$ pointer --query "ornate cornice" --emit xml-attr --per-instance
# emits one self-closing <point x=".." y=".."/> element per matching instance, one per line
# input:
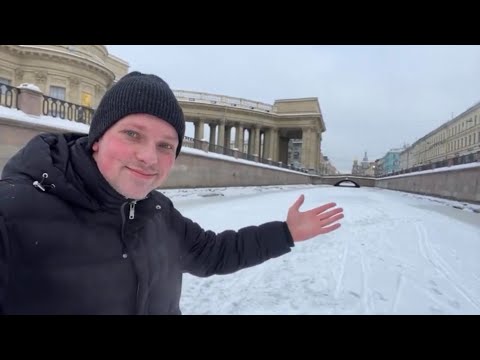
<point x="59" y="57"/>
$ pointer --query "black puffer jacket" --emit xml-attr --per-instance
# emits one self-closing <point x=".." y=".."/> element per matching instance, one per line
<point x="70" y="244"/>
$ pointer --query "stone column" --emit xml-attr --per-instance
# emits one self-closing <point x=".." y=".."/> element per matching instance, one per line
<point x="250" y="141"/>
<point x="313" y="150"/>
<point x="283" y="150"/>
<point x="221" y="134"/>
<point x="239" y="138"/>
<point x="256" y="148"/>
<point x="305" y="149"/>
<point x="261" y="151"/>
<point x="274" y="145"/>
<point x="318" y="152"/>
<point x="267" y="150"/>
<point x="199" y="127"/>
<point x="228" y="131"/>
<point x="213" y="135"/>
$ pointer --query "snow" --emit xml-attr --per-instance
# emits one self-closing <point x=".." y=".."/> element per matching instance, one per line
<point x="14" y="114"/>
<point x="396" y="253"/>
<point x="30" y="87"/>
<point x="437" y="170"/>
<point x="199" y="152"/>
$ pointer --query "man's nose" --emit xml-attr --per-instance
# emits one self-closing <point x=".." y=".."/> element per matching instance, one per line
<point x="147" y="154"/>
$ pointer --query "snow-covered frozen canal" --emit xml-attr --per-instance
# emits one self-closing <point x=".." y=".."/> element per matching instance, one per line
<point x="395" y="253"/>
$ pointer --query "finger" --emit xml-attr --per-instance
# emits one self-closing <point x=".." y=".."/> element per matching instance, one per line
<point x="296" y="205"/>
<point x="330" y="228"/>
<point x="331" y="220"/>
<point x="330" y="213"/>
<point x="321" y="209"/>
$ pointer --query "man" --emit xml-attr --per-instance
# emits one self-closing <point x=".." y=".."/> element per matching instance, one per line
<point x="83" y="231"/>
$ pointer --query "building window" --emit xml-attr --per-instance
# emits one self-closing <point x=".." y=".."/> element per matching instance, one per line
<point x="86" y="99"/>
<point x="57" y="92"/>
<point x="3" y="81"/>
<point x="469" y="140"/>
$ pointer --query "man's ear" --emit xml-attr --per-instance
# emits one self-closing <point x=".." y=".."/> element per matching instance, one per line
<point x="95" y="146"/>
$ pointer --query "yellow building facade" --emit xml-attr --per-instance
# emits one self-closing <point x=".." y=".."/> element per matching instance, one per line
<point x="79" y="74"/>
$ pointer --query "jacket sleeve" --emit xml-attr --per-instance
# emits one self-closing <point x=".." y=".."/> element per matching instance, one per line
<point x="3" y="262"/>
<point x="205" y="253"/>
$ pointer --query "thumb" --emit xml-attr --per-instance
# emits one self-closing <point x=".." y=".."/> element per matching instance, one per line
<point x="296" y="205"/>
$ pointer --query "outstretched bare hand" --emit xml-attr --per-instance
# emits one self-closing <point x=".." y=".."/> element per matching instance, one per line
<point x="310" y="223"/>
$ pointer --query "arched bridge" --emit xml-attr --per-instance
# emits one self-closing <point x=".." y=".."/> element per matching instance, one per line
<point x="345" y="179"/>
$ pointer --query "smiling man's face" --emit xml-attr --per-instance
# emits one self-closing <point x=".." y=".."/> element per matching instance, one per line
<point x="136" y="154"/>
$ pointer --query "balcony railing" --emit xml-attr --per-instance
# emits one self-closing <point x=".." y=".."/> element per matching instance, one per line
<point x="8" y="96"/>
<point x="213" y="99"/>
<point x="66" y="110"/>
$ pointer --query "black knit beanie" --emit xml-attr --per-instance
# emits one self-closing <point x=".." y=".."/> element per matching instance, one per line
<point x="137" y="93"/>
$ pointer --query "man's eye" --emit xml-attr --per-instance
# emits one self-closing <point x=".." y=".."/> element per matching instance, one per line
<point x="131" y="133"/>
<point x="166" y="146"/>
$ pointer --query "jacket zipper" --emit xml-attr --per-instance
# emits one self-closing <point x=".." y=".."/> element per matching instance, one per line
<point x="131" y="216"/>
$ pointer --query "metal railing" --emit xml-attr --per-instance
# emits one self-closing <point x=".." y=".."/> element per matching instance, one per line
<point x="8" y="96"/>
<point x="66" y="110"/>
<point x="222" y="100"/>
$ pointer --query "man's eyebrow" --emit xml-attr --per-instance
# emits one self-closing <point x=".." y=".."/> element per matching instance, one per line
<point x="143" y="128"/>
<point x="136" y="126"/>
<point x="172" y="138"/>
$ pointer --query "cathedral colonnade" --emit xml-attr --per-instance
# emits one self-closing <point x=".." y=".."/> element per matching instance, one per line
<point x="259" y="130"/>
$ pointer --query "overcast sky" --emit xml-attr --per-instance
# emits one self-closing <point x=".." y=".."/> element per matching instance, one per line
<point x="373" y="98"/>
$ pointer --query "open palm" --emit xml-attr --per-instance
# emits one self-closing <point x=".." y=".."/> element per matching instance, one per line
<point x="310" y="223"/>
